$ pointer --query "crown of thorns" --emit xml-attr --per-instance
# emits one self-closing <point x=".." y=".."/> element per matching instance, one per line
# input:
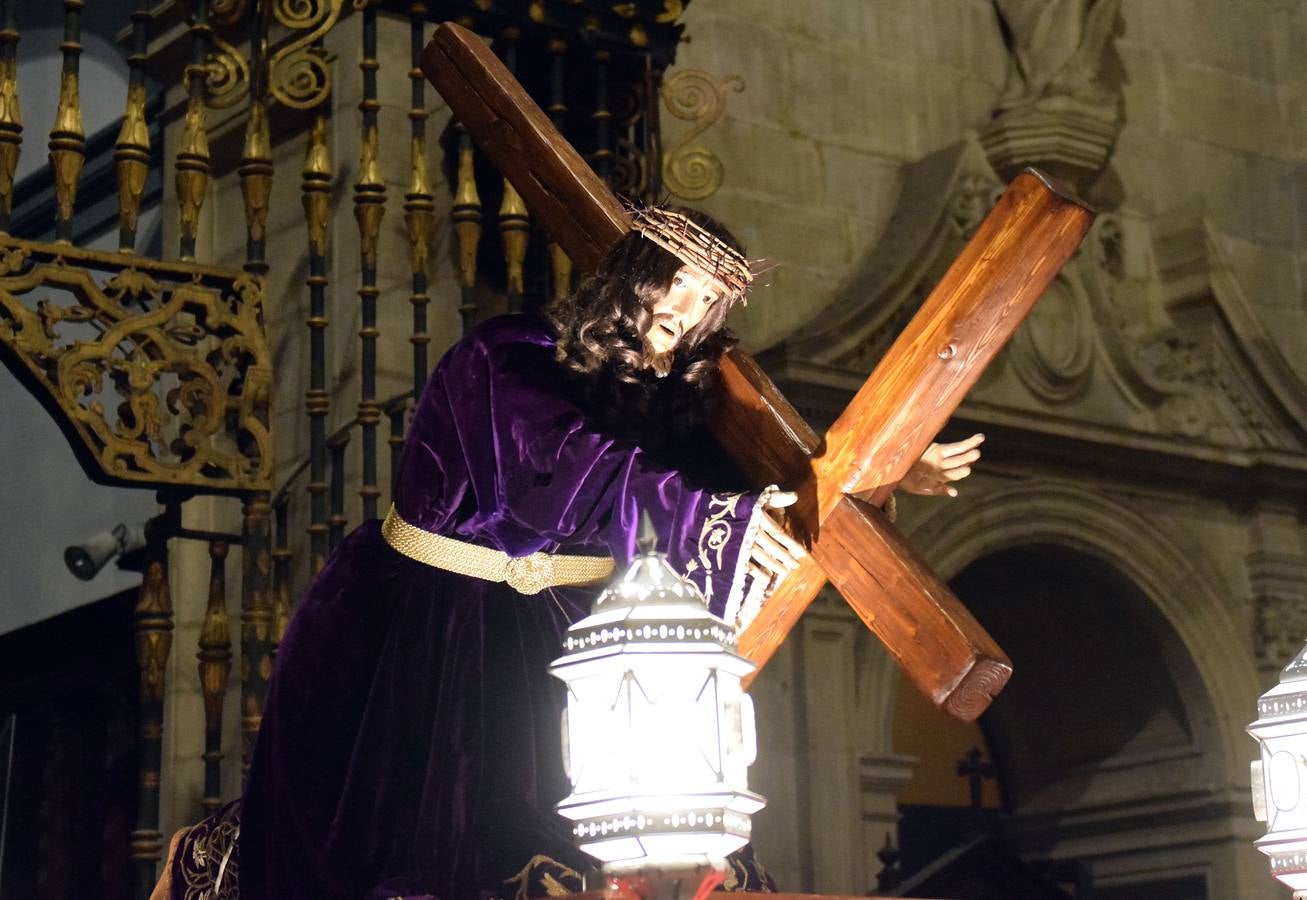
<point x="697" y="247"/>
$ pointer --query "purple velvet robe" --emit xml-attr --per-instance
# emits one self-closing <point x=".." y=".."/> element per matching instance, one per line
<point x="410" y="741"/>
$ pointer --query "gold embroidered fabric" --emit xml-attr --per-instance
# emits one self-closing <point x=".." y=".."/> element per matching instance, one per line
<point x="524" y="574"/>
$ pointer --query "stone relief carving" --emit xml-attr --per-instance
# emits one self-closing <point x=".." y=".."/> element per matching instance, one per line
<point x="1056" y="47"/>
<point x="973" y="196"/>
<point x="1053" y="352"/>
<point x="1058" y="110"/>
<point x="1144" y="329"/>
<point x="1279" y="586"/>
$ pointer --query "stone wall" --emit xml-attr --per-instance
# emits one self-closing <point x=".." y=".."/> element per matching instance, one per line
<point x="837" y="96"/>
<point x="1204" y="191"/>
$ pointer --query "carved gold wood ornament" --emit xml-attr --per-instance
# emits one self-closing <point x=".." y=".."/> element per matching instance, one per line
<point x="691" y="171"/>
<point x="158" y="372"/>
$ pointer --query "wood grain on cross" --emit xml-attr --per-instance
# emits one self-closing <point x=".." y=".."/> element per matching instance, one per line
<point x="844" y="477"/>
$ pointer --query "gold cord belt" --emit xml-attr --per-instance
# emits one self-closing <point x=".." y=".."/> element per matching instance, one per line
<point x="524" y="574"/>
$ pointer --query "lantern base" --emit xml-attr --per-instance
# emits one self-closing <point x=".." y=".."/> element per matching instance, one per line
<point x="667" y="881"/>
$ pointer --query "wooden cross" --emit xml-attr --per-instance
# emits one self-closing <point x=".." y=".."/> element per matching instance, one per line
<point x="844" y="477"/>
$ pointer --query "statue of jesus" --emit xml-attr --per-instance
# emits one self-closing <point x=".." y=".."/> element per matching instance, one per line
<point x="410" y="742"/>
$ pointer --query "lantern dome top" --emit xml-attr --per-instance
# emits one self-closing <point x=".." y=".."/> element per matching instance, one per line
<point x="1285" y="704"/>
<point x="1296" y="670"/>
<point x="649" y="579"/>
<point x="650" y="608"/>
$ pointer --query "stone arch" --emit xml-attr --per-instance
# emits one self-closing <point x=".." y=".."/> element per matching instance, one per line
<point x="1184" y="589"/>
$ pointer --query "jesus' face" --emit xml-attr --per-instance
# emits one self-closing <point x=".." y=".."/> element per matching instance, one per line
<point x="689" y="297"/>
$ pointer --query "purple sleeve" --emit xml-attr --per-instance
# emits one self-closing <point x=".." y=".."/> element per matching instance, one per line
<point x="542" y="474"/>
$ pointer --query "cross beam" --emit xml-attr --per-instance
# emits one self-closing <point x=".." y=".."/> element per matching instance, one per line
<point x="841" y="479"/>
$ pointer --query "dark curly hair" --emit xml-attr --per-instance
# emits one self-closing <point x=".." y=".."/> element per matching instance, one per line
<point x="628" y="389"/>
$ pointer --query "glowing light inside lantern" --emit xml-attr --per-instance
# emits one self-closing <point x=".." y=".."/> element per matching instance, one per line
<point x="659" y="733"/>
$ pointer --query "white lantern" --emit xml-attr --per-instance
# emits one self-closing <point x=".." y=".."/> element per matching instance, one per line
<point x="1279" y="778"/>
<point x="658" y="732"/>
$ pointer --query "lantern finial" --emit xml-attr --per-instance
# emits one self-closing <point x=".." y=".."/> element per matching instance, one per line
<point x="647" y="539"/>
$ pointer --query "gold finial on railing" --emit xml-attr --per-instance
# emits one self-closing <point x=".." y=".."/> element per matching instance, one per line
<point x="419" y="208"/>
<point x="255" y="168"/>
<point x="602" y="158"/>
<point x="281" y="559"/>
<point x="514" y="228"/>
<point x="369" y="207"/>
<point x="466" y="213"/>
<point x="562" y="271"/>
<point x="316" y="189"/>
<point x="369" y="197"/>
<point x="514" y="222"/>
<point x="317" y="186"/>
<point x="153" y="627"/>
<point x="193" y="155"/>
<point x="560" y="262"/>
<point x="256" y="177"/>
<point x="215" y="669"/>
<point x="419" y="201"/>
<point x="256" y="617"/>
<point x="132" y="152"/>
<point x="11" y="120"/>
<point x="466" y="216"/>
<point x="67" y="139"/>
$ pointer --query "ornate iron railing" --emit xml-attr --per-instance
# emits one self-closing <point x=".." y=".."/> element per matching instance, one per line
<point x="159" y="370"/>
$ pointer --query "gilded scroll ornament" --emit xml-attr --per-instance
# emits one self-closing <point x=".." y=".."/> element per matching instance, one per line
<point x="228" y="78"/>
<point x="691" y="171"/>
<point x="298" y="77"/>
<point x="158" y="373"/>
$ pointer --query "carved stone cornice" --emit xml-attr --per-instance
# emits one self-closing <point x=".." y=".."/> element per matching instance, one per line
<point x="1145" y="339"/>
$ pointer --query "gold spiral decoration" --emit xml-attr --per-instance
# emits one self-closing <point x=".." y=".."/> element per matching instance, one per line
<point x="229" y="75"/>
<point x="692" y="171"/>
<point x="298" y="77"/>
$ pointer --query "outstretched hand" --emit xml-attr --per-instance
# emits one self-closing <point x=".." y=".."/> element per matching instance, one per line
<point x="940" y="466"/>
<point x="774" y="553"/>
